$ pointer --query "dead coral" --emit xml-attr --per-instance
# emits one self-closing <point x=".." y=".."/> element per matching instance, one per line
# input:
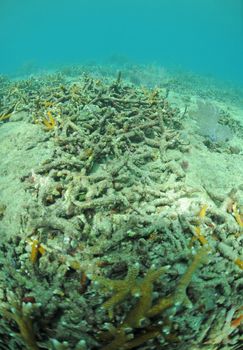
<point x="124" y="335"/>
<point x="113" y="189"/>
<point x="21" y="313"/>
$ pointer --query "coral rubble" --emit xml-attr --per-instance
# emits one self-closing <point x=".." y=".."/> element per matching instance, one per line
<point x="114" y="198"/>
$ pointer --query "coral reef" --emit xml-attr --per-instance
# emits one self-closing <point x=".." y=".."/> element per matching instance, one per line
<point x="113" y="192"/>
<point x="142" y="290"/>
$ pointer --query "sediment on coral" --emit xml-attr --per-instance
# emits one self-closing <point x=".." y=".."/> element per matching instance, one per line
<point x="111" y="203"/>
<point x="124" y="335"/>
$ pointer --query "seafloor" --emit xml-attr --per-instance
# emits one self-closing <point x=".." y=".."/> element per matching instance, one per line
<point x="121" y="211"/>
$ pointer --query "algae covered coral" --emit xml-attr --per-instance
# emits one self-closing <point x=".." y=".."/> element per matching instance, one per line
<point x="112" y="236"/>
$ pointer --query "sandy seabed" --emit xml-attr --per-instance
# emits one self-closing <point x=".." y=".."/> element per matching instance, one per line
<point x="121" y="211"/>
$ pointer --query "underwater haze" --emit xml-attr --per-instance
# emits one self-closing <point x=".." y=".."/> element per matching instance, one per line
<point x="203" y="36"/>
<point x="121" y="174"/>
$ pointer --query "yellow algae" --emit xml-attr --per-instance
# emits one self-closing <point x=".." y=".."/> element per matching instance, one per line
<point x="5" y="116"/>
<point x="49" y="122"/>
<point x="202" y="212"/>
<point x="237" y="215"/>
<point x="36" y="250"/>
<point x="200" y="236"/>
<point x="239" y="263"/>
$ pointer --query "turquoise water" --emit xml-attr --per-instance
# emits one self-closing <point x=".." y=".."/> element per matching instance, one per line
<point x="121" y="162"/>
<point x="202" y="36"/>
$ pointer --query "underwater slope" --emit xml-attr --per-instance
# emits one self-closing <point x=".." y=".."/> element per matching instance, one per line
<point x="121" y="216"/>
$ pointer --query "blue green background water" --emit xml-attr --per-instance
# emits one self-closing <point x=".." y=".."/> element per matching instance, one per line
<point x="204" y="36"/>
